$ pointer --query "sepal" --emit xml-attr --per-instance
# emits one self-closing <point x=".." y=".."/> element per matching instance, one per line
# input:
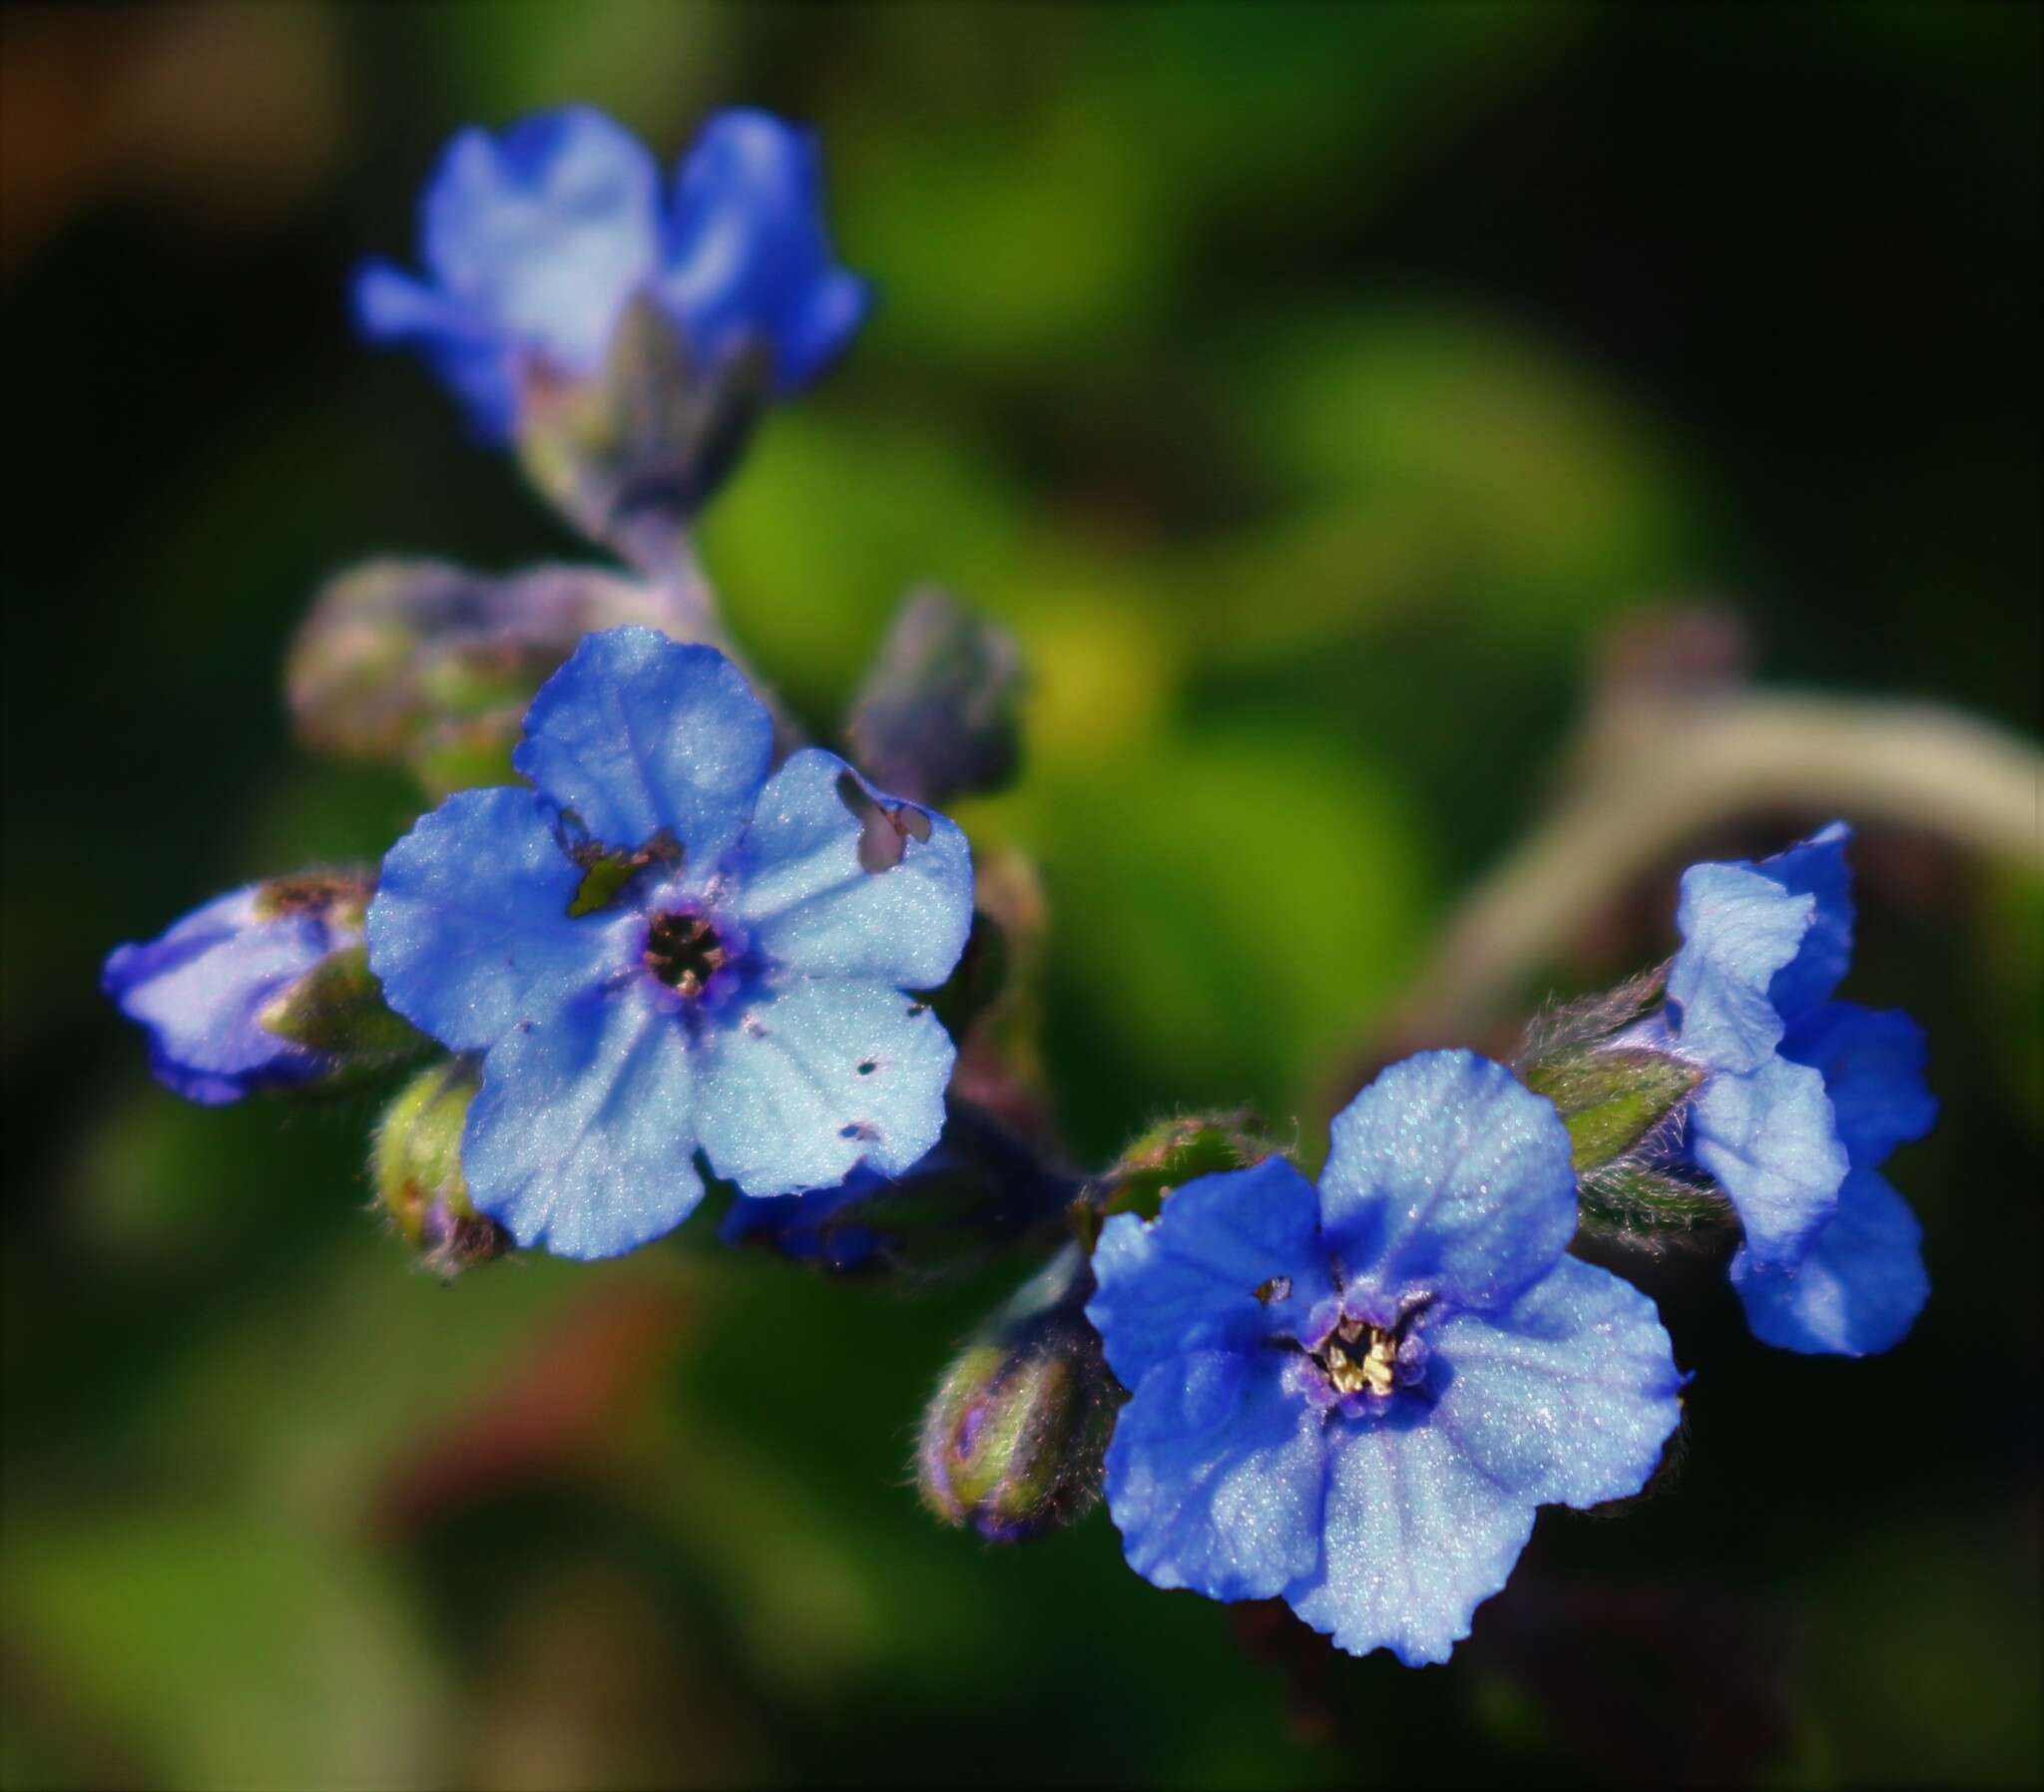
<point x="630" y="454"/>
<point x="417" y="1166"/>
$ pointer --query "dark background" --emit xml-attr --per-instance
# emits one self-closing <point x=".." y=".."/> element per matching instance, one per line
<point x="1311" y="390"/>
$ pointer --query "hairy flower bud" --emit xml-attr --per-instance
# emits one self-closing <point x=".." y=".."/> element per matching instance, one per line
<point x="417" y="1164"/>
<point x="1175" y="1151"/>
<point x="1012" y="1440"/>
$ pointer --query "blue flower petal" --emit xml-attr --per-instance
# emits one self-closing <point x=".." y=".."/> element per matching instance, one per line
<point x="747" y="253"/>
<point x="1189" y="1280"/>
<point x="1772" y="1141"/>
<point x="1859" y="1285"/>
<point x="1215" y="1475"/>
<point x="1763" y="946"/>
<point x="581" y="1140"/>
<point x="1872" y="1064"/>
<point x="545" y="235"/>
<point x="1740" y="931"/>
<point x="1566" y="1396"/>
<point x="810" y="905"/>
<point x="474" y="359"/>
<point x="201" y="988"/>
<point x="1448" y="1177"/>
<point x="1816" y="868"/>
<point x="639" y="735"/>
<point x="469" y="930"/>
<point x="798" y="1085"/>
<point x="1416" y="1537"/>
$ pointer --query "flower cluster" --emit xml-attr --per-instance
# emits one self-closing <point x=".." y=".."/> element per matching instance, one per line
<point x="536" y="241"/>
<point x="685" y="948"/>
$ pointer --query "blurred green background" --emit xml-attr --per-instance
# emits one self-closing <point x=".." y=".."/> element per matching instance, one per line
<point x="1310" y="390"/>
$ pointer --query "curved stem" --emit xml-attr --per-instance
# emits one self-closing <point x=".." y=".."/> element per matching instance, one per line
<point x="1655" y="779"/>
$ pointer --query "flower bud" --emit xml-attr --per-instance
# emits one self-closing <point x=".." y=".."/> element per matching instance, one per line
<point x="264" y="989"/>
<point x="1175" y="1151"/>
<point x="430" y="666"/>
<point x="938" y="715"/>
<point x="416" y="1165"/>
<point x="1013" y="1439"/>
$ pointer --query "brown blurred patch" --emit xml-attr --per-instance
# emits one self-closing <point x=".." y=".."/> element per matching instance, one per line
<point x="576" y="1384"/>
<point x="229" y="112"/>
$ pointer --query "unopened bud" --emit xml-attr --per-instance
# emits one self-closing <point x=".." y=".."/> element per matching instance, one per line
<point x="264" y="989"/>
<point x="938" y="715"/>
<point x="430" y="666"/>
<point x="1175" y="1151"/>
<point x="1012" y="1440"/>
<point x="416" y="1164"/>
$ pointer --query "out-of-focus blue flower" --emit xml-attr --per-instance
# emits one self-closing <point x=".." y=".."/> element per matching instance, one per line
<point x="205" y="988"/>
<point x="535" y="242"/>
<point x="1354" y="1397"/>
<point x="660" y="948"/>
<point x="1803" y="1100"/>
<point x="976" y="1189"/>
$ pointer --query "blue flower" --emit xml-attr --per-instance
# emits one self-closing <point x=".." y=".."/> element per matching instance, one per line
<point x="1804" y="1099"/>
<point x="536" y="241"/>
<point x="660" y="948"/>
<point x="205" y="988"/>
<point x="1354" y="1397"/>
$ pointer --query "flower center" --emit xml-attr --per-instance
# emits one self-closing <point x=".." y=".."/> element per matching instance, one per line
<point x="1360" y="1357"/>
<point x="683" y="951"/>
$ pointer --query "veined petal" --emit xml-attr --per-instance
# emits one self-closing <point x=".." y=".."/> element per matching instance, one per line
<point x="1214" y="1476"/>
<point x="582" y="1140"/>
<point x="1566" y="1396"/>
<point x="1416" y="1537"/>
<point x="1764" y="946"/>
<point x="1232" y="1259"/>
<point x="469" y="930"/>
<point x="1859" y="1285"/>
<point x="801" y="1083"/>
<point x="1871" y="1061"/>
<point x="1739" y="930"/>
<point x="1772" y="1141"/>
<point x="639" y="735"/>
<point x="811" y="905"/>
<point x="1448" y="1175"/>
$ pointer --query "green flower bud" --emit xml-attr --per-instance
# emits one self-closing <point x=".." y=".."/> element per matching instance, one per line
<point x="417" y="1166"/>
<point x="1175" y="1151"/>
<point x="1013" y="1439"/>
